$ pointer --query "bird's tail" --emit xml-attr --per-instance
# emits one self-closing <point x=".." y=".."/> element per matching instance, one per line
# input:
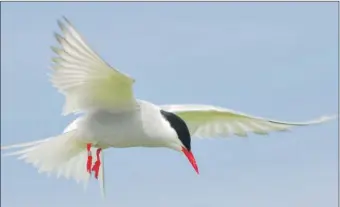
<point x="63" y="155"/>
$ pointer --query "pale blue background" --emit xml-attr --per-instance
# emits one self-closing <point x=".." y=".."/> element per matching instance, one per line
<point x="276" y="60"/>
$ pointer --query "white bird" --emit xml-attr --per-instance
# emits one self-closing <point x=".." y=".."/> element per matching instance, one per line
<point x="113" y="117"/>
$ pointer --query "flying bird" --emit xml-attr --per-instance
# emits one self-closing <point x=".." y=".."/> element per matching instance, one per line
<point x="113" y="118"/>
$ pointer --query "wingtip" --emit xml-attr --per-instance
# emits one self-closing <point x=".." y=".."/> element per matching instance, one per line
<point x="63" y="23"/>
<point x="323" y="119"/>
<point x="60" y="24"/>
<point x="66" y="19"/>
<point x="328" y="118"/>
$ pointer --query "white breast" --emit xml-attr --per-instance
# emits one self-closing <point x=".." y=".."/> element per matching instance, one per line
<point x="143" y="127"/>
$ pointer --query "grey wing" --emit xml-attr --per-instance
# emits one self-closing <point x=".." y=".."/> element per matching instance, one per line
<point x="206" y="121"/>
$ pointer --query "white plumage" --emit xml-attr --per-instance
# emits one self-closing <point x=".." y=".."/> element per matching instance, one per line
<point x="112" y="117"/>
<point x="84" y="78"/>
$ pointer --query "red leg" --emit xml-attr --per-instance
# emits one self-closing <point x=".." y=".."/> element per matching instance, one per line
<point x="97" y="164"/>
<point x="89" y="158"/>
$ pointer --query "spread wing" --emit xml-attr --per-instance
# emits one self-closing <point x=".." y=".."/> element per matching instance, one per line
<point x="206" y="121"/>
<point x="84" y="78"/>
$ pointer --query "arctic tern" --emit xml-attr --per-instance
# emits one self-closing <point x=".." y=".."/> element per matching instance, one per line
<point x="113" y="117"/>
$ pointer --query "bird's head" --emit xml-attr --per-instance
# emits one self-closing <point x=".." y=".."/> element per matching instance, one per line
<point x="183" y="143"/>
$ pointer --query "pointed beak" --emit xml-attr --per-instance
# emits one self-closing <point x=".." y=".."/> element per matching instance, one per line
<point x="191" y="158"/>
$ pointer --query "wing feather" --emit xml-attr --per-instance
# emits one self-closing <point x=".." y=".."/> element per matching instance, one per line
<point x="85" y="79"/>
<point x="206" y="121"/>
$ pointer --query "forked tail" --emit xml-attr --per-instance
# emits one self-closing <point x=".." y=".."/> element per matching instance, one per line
<point x="62" y="155"/>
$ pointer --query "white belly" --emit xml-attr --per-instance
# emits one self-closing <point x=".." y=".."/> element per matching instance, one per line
<point x="144" y="127"/>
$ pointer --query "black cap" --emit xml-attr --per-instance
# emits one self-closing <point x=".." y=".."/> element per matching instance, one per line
<point x="180" y="127"/>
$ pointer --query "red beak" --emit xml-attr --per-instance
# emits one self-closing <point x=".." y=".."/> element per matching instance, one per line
<point x="191" y="158"/>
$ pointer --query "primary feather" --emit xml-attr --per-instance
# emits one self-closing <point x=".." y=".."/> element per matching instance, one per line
<point x="84" y="78"/>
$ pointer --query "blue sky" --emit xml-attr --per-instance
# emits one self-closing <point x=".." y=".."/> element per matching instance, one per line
<point x="276" y="60"/>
